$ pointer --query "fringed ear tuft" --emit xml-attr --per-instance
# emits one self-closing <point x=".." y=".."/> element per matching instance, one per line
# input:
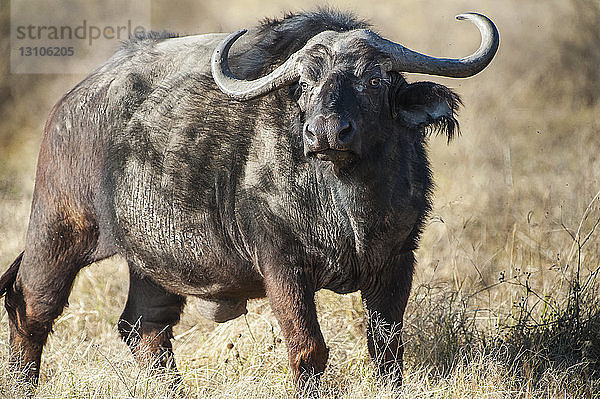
<point x="428" y="107"/>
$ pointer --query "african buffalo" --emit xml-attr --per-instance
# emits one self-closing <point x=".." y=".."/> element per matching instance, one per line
<point x="230" y="167"/>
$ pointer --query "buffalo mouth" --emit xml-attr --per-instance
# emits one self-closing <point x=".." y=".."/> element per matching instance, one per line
<point x="339" y="158"/>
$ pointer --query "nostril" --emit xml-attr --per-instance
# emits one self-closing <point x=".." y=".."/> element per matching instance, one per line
<point x="345" y="135"/>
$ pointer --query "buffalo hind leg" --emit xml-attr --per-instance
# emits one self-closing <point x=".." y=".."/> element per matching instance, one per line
<point x="291" y="296"/>
<point x="385" y="301"/>
<point x="41" y="280"/>
<point x="146" y="324"/>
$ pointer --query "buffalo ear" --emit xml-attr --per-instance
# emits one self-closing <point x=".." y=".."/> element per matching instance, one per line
<point x="427" y="107"/>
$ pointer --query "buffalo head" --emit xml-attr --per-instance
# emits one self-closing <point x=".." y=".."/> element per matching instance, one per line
<point x="349" y="85"/>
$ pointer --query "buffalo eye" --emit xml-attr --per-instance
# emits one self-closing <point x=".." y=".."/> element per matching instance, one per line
<point x="304" y="86"/>
<point x="375" y="82"/>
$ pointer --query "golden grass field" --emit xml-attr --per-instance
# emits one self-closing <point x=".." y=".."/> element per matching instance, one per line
<point x="505" y="301"/>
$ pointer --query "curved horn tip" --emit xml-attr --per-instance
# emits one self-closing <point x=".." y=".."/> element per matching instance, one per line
<point x="470" y="15"/>
<point x="232" y="38"/>
<point x="226" y="44"/>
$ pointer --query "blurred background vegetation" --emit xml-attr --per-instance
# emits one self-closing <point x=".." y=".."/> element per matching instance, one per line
<point x="506" y="286"/>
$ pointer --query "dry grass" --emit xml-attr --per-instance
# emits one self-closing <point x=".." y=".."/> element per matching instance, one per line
<point x="505" y="301"/>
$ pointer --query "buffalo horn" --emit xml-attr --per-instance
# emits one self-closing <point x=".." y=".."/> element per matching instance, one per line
<point x="402" y="59"/>
<point x="406" y="60"/>
<point x="248" y="89"/>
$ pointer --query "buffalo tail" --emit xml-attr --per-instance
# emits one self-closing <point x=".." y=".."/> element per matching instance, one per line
<point x="9" y="276"/>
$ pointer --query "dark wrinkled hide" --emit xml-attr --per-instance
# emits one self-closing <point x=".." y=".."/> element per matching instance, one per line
<point x="220" y="199"/>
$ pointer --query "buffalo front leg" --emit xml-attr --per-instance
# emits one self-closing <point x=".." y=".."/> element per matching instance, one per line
<point x="146" y="324"/>
<point x="291" y="296"/>
<point x="385" y="301"/>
